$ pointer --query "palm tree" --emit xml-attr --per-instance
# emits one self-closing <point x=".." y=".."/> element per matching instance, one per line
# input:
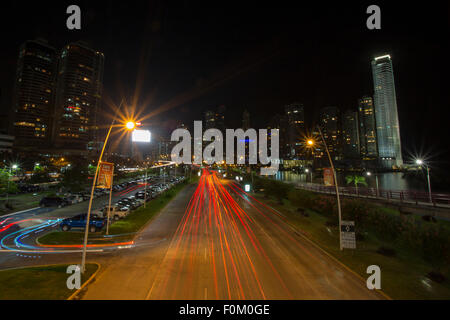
<point x="356" y="180"/>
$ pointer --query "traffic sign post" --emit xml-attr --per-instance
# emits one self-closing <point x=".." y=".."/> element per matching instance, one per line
<point x="348" y="238"/>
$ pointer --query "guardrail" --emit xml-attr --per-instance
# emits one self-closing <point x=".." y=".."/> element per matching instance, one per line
<point x="396" y="195"/>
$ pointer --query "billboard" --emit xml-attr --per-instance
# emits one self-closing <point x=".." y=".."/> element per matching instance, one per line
<point x="328" y="179"/>
<point x="141" y="136"/>
<point x="105" y="175"/>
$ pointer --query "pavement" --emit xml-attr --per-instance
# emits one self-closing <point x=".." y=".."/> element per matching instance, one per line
<point x="214" y="241"/>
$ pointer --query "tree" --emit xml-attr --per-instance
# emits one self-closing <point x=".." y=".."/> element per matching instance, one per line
<point x="75" y="178"/>
<point x="356" y="180"/>
<point x="5" y="176"/>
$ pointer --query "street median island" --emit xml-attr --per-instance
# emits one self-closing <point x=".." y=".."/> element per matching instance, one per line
<point x="119" y="231"/>
<point x="39" y="283"/>
<point x="412" y="253"/>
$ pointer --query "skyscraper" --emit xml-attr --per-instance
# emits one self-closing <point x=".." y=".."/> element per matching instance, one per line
<point x="386" y="115"/>
<point x="367" y="128"/>
<point x="350" y="135"/>
<point x="330" y="126"/>
<point x="34" y="94"/>
<point x="245" y="120"/>
<point x="79" y="92"/>
<point x="296" y="128"/>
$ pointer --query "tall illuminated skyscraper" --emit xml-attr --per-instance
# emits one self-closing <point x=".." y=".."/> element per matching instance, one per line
<point x="367" y="128"/>
<point x="79" y="92"/>
<point x="388" y="130"/>
<point x="34" y="94"/>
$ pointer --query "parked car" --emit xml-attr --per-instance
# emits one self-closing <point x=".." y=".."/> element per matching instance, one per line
<point x="53" y="202"/>
<point x="79" y="222"/>
<point x="116" y="212"/>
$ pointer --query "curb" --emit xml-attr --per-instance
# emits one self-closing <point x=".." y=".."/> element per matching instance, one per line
<point x="18" y="212"/>
<point x="85" y="283"/>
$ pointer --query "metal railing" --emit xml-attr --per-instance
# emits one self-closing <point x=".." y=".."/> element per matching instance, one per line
<point x="406" y="196"/>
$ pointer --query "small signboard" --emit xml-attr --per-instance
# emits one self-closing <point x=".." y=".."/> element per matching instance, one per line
<point x="348" y="239"/>
<point x="105" y="175"/>
<point x="328" y="178"/>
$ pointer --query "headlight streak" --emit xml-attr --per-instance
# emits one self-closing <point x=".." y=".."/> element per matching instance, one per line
<point x="24" y="233"/>
<point x="215" y="220"/>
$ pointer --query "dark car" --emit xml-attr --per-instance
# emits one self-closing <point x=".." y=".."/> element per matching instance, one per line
<point x="79" y="222"/>
<point x="53" y="202"/>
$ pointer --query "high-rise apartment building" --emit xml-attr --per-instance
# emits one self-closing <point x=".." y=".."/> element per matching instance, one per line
<point x="296" y="129"/>
<point x="386" y="115"/>
<point x="367" y="129"/>
<point x="79" y="92"/>
<point x="330" y="126"/>
<point x="350" y="135"/>
<point x="34" y="94"/>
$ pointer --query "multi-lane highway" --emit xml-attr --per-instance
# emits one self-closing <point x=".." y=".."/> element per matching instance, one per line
<point x="214" y="241"/>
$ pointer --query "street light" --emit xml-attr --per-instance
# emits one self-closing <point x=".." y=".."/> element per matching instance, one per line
<point x="311" y="143"/>
<point x="86" y="231"/>
<point x="14" y="166"/>
<point x="368" y="173"/>
<point x="421" y="163"/>
<point x="130" y="125"/>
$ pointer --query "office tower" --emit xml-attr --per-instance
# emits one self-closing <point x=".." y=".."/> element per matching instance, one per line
<point x="330" y="126"/>
<point x="280" y="122"/>
<point x="79" y="92"/>
<point x="34" y="94"/>
<point x="245" y="120"/>
<point x="220" y="118"/>
<point x="210" y="120"/>
<point x="367" y="129"/>
<point x="388" y="130"/>
<point x="296" y="129"/>
<point x="350" y="135"/>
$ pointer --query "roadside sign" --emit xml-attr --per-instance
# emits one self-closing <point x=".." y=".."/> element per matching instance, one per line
<point x="348" y="238"/>
<point x="105" y="174"/>
<point x="328" y="178"/>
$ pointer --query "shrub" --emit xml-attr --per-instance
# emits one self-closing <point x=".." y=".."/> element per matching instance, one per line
<point x="302" y="198"/>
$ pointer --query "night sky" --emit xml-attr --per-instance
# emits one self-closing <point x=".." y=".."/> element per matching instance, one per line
<point x="189" y="56"/>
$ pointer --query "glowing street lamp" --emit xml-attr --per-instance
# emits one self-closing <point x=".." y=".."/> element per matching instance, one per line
<point x="129" y="125"/>
<point x="421" y="163"/>
<point x="311" y="143"/>
<point x="368" y="173"/>
<point x="14" y="166"/>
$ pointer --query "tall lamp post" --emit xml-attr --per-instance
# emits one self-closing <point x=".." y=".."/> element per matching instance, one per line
<point x="421" y="163"/>
<point x="368" y="173"/>
<point x="311" y="143"/>
<point x="129" y="125"/>
<point x="14" y="166"/>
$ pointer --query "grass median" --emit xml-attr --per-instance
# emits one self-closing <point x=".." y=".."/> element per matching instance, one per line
<point x="21" y="202"/>
<point x="39" y="283"/>
<point x="403" y="273"/>
<point x="119" y="231"/>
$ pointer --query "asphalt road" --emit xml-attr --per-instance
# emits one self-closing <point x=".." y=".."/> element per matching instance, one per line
<point x="213" y="241"/>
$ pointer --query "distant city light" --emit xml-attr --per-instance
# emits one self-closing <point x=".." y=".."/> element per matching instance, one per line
<point x="419" y="162"/>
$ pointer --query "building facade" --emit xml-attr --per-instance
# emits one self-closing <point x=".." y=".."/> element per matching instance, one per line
<point x="79" y="92"/>
<point x="34" y="94"/>
<point x="330" y="126"/>
<point x="295" y="114"/>
<point x="386" y="115"/>
<point x="367" y="129"/>
<point x="350" y="135"/>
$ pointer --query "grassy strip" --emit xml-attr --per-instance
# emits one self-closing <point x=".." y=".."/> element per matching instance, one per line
<point x="39" y="283"/>
<point x="402" y="276"/>
<point x="122" y="230"/>
<point x="21" y="202"/>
